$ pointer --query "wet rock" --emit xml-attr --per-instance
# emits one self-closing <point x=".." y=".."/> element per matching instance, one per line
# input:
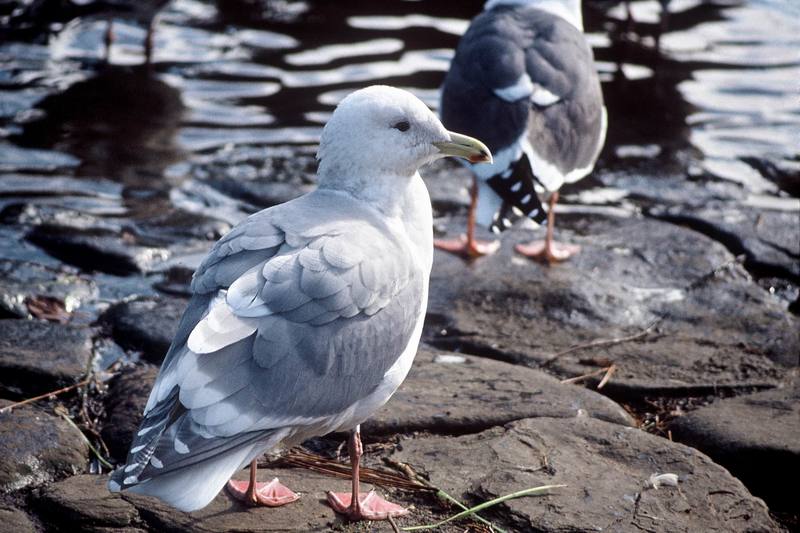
<point x="606" y="468"/>
<point x="15" y="520"/>
<point x="97" y="249"/>
<point x="82" y="503"/>
<point x="36" y="447"/>
<point x="448" y="184"/>
<point x="38" y="357"/>
<point x="127" y="395"/>
<point x="756" y="437"/>
<point x="145" y="324"/>
<point x="21" y="280"/>
<point x="712" y="326"/>
<point x="452" y="393"/>
<point x="769" y="239"/>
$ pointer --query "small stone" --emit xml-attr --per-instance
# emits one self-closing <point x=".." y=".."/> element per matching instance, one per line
<point x="36" y="447"/>
<point x="21" y="280"/>
<point x="38" y="357"/>
<point x="756" y="437"/>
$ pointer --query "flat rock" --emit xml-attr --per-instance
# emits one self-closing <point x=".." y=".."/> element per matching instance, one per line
<point x="756" y="437"/>
<point x="13" y="520"/>
<point x="716" y="327"/>
<point x="38" y="357"/>
<point x="453" y="393"/>
<point x="145" y="324"/>
<point x="82" y="503"/>
<point x="20" y="280"/>
<point x="605" y="467"/>
<point x="36" y="447"/>
<point x="97" y="249"/>
<point x="127" y="395"/>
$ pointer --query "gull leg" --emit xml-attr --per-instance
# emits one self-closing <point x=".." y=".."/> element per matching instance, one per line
<point x="148" y="44"/>
<point x="549" y="251"/>
<point x="108" y="38"/>
<point x="357" y="506"/>
<point x="272" y="494"/>
<point x="467" y="245"/>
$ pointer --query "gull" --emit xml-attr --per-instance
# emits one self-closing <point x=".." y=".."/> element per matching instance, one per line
<point x="305" y="318"/>
<point x="527" y="67"/>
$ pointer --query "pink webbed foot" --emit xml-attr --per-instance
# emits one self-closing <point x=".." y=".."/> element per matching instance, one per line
<point x="556" y="253"/>
<point x="372" y="506"/>
<point x="461" y="246"/>
<point x="272" y="494"/>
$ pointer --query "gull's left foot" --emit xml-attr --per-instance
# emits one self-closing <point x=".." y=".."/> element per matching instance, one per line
<point x="272" y="494"/>
<point x="372" y="506"/>
<point x="556" y="253"/>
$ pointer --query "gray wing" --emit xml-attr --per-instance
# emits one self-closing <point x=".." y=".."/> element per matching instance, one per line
<point x="527" y="71"/>
<point x="298" y="313"/>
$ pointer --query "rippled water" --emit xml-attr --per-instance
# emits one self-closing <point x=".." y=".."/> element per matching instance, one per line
<point x="234" y="83"/>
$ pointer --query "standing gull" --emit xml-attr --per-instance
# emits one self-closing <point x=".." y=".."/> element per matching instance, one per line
<point x="529" y="70"/>
<point x="305" y="318"/>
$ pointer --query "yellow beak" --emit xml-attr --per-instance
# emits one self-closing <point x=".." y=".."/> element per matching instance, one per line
<point x="463" y="146"/>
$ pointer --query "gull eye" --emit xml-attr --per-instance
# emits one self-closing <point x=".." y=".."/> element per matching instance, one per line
<point x="403" y="125"/>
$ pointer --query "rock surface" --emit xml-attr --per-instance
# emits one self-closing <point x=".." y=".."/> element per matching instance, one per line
<point x="716" y="327"/>
<point x="756" y="437"/>
<point x="146" y="324"/>
<point x="13" y="520"/>
<point x="452" y="393"/>
<point x="127" y="396"/>
<point x="36" y="448"/>
<point x="605" y="467"/>
<point x="21" y="280"/>
<point x="38" y="357"/>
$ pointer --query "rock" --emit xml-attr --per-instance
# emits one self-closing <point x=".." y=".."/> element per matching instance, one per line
<point x="38" y="357"/>
<point x="716" y="329"/>
<point x="223" y="514"/>
<point x="20" y="280"/>
<point x="83" y="503"/>
<point x="605" y="467"/>
<point x="452" y="393"/>
<point x="145" y="324"/>
<point x="97" y="249"/>
<point x="448" y="184"/>
<point x="36" y="447"/>
<point x="13" y="520"/>
<point x="127" y="395"/>
<point x="756" y="437"/>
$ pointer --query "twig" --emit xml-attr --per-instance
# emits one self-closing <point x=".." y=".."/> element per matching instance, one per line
<point x="485" y="505"/>
<point x="602" y="342"/>
<point x="65" y="415"/>
<point x="393" y="524"/>
<point x="607" y="377"/>
<point x="8" y="408"/>
<point x="578" y="379"/>
<point x="409" y="472"/>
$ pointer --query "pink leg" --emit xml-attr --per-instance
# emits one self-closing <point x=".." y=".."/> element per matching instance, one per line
<point x="357" y="506"/>
<point x="109" y="39"/>
<point x="549" y="251"/>
<point x="272" y="494"/>
<point x="467" y="245"/>
<point x="148" y="45"/>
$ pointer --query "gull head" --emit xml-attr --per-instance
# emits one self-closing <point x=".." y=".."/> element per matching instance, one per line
<point x="386" y="131"/>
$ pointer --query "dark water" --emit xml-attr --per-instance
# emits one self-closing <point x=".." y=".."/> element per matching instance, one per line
<point x="167" y="157"/>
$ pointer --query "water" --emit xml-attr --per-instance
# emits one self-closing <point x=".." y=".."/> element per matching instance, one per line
<point x="226" y="119"/>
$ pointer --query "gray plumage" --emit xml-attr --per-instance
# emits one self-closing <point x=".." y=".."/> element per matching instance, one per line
<point x="523" y="79"/>
<point x="322" y="306"/>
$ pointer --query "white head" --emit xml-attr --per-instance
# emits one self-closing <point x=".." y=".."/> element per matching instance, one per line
<point x="569" y="10"/>
<point x="381" y="132"/>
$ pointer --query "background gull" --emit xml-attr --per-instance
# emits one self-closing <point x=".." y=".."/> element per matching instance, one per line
<point x="305" y="318"/>
<point x="527" y="69"/>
